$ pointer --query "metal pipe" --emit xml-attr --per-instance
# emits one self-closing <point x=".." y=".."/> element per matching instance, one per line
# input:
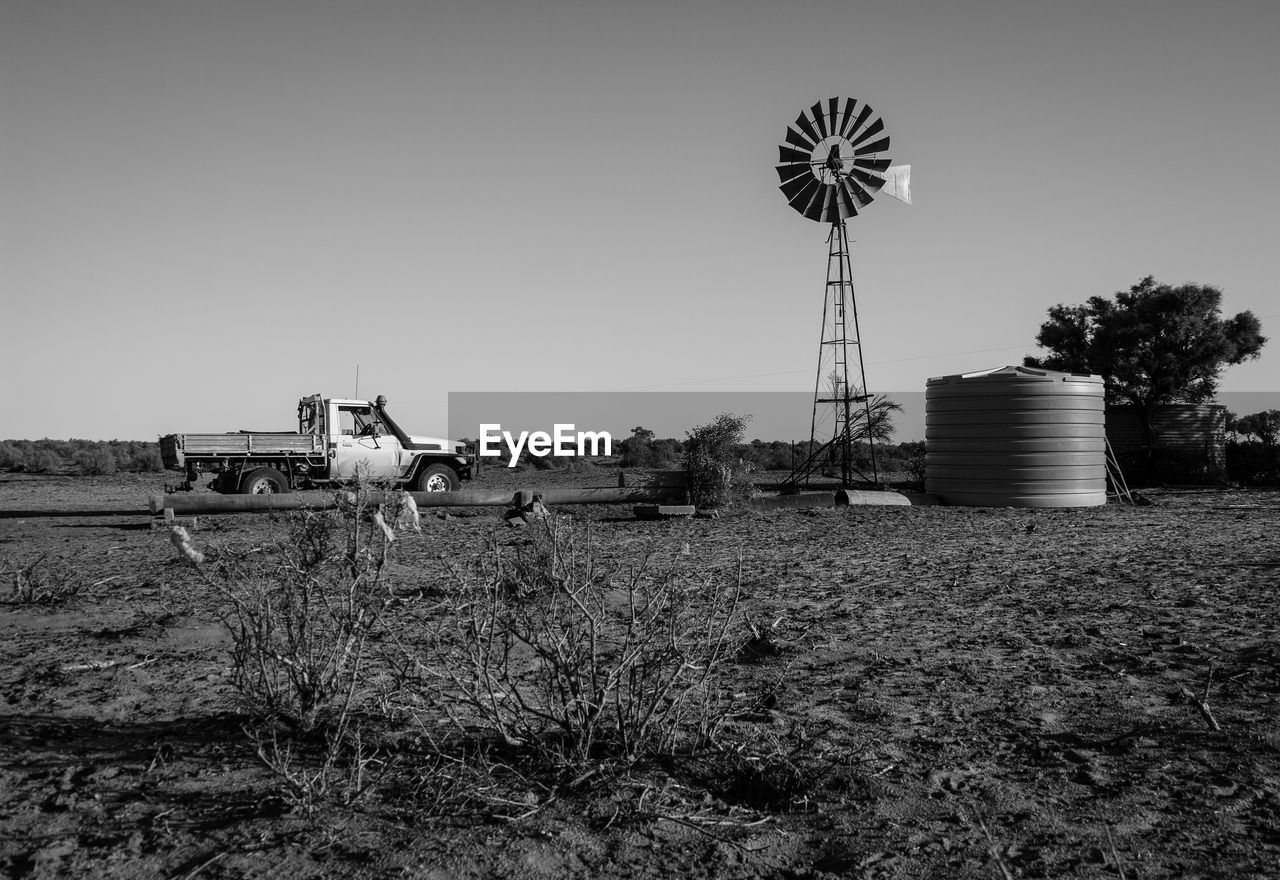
<point x="30" y="513"/>
<point x="795" y="499"/>
<point x="652" y="478"/>
<point x="188" y="504"/>
<point x="629" y="495"/>
<point x="846" y="497"/>
<point x="895" y="499"/>
<point x="192" y="504"/>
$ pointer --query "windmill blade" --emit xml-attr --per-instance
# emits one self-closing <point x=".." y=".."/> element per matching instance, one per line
<point x="820" y="120"/>
<point x="860" y="195"/>
<point x="857" y="123"/>
<point x="870" y="181"/>
<point x="789" y="155"/>
<point x="797" y="139"/>
<point x="799" y="191"/>
<point x="832" y="113"/>
<point x="882" y="144"/>
<point x="824" y="206"/>
<point x="871" y="131"/>
<point x="803" y="123"/>
<point x="847" y="207"/>
<point x="789" y="172"/>
<point x="831" y="205"/>
<point x="876" y="165"/>
<point x="897" y="183"/>
<point x="849" y="104"/>
<point x="814" y="209"/>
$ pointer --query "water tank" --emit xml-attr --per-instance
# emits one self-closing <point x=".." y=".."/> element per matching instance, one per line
<point x="1016" y="437"/>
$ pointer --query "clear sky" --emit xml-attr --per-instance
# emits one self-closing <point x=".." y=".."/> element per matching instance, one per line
<point x="210" y="209"/>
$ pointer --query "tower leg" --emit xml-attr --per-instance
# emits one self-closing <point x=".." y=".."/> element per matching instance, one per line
<point x="841" y="403"/>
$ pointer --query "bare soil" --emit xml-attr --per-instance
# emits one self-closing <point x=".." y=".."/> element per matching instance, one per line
<point x="954" y="692"/>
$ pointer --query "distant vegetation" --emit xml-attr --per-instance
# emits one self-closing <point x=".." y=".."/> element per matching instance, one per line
<point x="1253" y="448"/>
<point x="1154" y="344"/>
<point x="79" y="456"/>
<point x="644" y="449"/>
<point x="641" y="450"/>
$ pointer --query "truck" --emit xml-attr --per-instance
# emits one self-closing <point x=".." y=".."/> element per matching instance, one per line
<point x="337" y="441"/>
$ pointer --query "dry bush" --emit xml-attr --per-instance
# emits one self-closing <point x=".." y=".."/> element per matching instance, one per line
<point x="41" y="582"/>
<point x="576" y="660"/>
<point x="341" y="767"/>
<point x="300" y="616"/>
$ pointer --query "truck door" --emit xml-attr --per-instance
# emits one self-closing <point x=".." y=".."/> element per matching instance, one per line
<point x="361" y="442"/>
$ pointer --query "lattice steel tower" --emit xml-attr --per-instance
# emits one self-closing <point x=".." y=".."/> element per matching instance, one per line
<point x="829" y="168"/>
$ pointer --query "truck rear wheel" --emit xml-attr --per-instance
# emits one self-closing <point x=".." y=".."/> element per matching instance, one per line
<point x="264" y="481"/>
<point x="437" y="478"/>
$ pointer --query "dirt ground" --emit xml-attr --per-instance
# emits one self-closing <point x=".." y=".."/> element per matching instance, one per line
<point x="961" y="693"/>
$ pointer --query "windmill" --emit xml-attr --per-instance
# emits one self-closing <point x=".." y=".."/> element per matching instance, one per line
<point x="829" y="167"/>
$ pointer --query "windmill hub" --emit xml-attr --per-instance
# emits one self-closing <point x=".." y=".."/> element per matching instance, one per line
<point x="834" y="162"/>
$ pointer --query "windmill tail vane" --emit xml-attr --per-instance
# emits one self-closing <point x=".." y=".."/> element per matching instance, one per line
<point x="897" y="182"/>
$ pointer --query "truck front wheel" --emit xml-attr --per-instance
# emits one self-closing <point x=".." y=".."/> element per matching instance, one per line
<point x="437" y="478"/>
<point x="264" y="481"/>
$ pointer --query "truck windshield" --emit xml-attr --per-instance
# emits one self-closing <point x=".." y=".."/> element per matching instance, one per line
<point x="359" y="421"/>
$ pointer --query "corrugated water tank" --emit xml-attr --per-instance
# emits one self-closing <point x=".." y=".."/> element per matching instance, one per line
<point x="1016" y="437"/>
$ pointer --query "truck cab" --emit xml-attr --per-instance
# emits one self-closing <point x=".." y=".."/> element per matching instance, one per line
<point x="363" y="438"/>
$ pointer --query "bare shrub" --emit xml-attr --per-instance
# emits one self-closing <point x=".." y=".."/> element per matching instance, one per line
<point x="300" y="617"/>
<point x="578" y="660"/>
<point x="41" y="582"/>
<point x="343" y="769"/>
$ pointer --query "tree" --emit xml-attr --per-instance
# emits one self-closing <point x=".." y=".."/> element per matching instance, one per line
<point x="713" y="466"/>
<point x="1264" y="425"/>
<point x="880" y="428"/>
<point x="637" y="450"/>
<point x="1153" y="344"/>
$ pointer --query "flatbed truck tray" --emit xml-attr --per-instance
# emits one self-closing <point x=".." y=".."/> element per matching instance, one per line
<point x="175" y="448"/>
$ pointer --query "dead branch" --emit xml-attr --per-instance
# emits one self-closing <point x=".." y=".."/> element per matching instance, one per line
<point x="1205" y="711"/>
<point x="991" y="845"/>
<point x="91" y="666"/>
<point x="1111" y="843"/>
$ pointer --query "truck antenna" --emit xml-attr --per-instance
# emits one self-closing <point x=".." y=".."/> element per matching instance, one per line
<point x="356" y="394"/>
